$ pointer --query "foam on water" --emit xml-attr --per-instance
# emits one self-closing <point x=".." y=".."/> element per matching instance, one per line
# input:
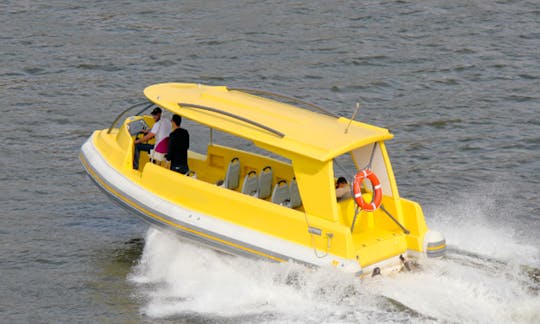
<point x="481" y="221"/>
<point x="481" y="280"/>
<point x="179" y="278"/>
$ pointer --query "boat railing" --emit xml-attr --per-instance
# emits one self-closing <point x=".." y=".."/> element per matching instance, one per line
<point x="249" y="121"/>
<point x="277" y="95"/>
<point x="128" y="109"/>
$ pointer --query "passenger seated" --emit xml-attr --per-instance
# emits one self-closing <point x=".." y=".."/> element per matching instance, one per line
<point x="157" y="155"/>
<point x="343" y="189"/>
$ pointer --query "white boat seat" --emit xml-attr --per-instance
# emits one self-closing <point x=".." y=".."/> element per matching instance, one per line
<point x="232" y="178"/>
<point x="251" y="186"/>
<point x="265" y="182"/>
<point x="295" y="199"/>
<point x="281" y="195"/>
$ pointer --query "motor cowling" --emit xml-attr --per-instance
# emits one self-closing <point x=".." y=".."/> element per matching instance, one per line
<point x="434" y="244"/>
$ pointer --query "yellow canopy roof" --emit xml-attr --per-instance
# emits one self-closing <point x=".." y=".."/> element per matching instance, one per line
<point x="268" y="123"/>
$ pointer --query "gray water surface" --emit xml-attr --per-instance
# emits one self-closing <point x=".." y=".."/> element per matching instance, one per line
<point x="457" y="83"/>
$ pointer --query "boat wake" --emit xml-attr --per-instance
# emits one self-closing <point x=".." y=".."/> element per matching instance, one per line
<point x="486" y="276"/>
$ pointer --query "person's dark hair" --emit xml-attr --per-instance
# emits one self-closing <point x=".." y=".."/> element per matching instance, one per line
<point x="341" y="180"/>
<point x="156" y="111"/>
<point x="177" y="119"/>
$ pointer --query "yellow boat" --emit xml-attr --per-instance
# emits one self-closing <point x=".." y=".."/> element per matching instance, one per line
<point x="276" y="198"/>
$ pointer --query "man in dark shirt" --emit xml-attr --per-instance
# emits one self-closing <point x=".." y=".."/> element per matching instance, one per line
<point x="178" y="146"/>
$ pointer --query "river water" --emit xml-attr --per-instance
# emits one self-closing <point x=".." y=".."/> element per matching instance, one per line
<point x="457" y="82"/>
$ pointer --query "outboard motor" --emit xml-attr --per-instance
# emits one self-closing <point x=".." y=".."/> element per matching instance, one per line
<point x="434" y="244"/>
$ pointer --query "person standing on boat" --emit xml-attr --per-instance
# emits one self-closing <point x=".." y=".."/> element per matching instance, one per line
<point x="178" y="146"/>
<point x="160" y="131"/>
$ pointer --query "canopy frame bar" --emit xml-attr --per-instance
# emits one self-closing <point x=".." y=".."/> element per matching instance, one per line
<point x="249" y="121"/>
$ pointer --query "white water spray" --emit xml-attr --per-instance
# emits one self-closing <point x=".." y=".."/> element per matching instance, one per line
<point x="484" y="279"/>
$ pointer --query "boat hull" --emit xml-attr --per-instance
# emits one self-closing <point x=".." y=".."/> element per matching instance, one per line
<point x="197" y="227"/>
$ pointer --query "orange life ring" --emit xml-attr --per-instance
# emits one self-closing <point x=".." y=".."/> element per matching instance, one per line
<point x="377" y="190"/>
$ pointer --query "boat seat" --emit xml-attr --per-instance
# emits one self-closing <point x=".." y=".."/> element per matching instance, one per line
<point x="295" y="199"/>
<point x="281" y="195"/>
<point x="232" y="177"/>
<point x="251" y="186"/>
<point x="265" y="182"/>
